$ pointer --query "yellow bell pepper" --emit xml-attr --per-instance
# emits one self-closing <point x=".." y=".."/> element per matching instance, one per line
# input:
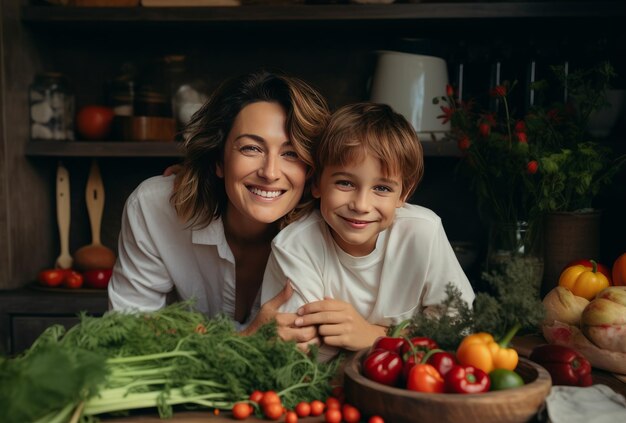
<point x="582" y="281"/>
<point x="482" y="351"/>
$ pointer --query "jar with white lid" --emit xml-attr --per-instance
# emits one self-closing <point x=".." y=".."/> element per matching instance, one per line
<point x="51" y="102"/>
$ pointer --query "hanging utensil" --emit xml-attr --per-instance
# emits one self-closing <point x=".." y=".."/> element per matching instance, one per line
<point x="95" y="255"/>
<point x="65" y="260"/>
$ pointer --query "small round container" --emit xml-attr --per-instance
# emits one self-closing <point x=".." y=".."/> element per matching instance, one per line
<point x="51" y="102"/>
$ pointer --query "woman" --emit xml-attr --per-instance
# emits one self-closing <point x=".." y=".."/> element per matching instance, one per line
<point x="205" y="233"/>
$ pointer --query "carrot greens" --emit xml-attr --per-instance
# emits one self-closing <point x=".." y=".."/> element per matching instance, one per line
<point x="160" y="359"/>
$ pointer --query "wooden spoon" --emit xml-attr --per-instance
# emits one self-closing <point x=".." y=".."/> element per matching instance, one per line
<point x="64" y="261"/>
<point x="95" y="255"/>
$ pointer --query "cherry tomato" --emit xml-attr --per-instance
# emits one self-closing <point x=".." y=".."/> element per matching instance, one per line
<point x="94" y="122"/>
<point x="350" y="414"/>
<point x="270" y="397"/>
<point x="303" y="409"/>
<point x="273" y="410"/>
<point x="51" y="277"/>
<point x="241" y="410"/>
<point x="73" y="279"/>
<point x="256" y="396"/>
<point x="376" y="419"/>
<point x="317" y="407"/>
<point x="332" y="415"/>
<point x="332" y="402"/>
<point x="98" y="279"/>
<point x="291" y="417"/>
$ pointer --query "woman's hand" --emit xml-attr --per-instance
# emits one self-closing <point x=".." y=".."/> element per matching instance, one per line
<point x="303" y="335"/>
<point x="339" y="324"/>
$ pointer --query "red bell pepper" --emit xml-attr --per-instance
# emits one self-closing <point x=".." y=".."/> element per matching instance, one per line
<point x="393" y="342"/>
<point x="411" y="360"/>
<point x="442" y="361"/>
<point x="383" y="366"/>
<point x="466" y="380"/>
<point x="420" y="343"/>
<point x="565" y="365"/>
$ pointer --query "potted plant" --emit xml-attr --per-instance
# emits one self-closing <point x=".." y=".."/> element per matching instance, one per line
<point x="526" y="170"/>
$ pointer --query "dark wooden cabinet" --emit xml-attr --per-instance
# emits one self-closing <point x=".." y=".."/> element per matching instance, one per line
<point x="27" y="312"/>
<point x="329" y="45"/>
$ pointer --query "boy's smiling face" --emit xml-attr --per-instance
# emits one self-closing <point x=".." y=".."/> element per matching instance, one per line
<point x="358" y="201"/>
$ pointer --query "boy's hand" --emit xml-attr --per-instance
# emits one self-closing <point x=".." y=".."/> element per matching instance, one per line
<point x="304" y="335"/>
<point x="340" y="325"/>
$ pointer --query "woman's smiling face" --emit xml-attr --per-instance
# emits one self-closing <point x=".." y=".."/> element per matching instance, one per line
<point x="263" y="176"/>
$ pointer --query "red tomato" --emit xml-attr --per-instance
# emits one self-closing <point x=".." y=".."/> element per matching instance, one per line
<point x="350" y="414"/>
<point x="256" y="396"/>
<point x="98" y="279"/>
<point x="332" y="402"/>
<point x="94" y="122"/>
<point x="376" y="419"/>
<point x="273" y="410"/>
<point x="270" y="397"/>
<point x="587" y="263"/>
<point x="291" y="417"/>
<point x="73" y="279"/>
<point x="332" y="415"/>
<point x="51" y="277"/>
<point x="303" y="409"/>
<point x="425" y="378"/>
<point x="317" y="407"/>
<point x="242" y="410"/>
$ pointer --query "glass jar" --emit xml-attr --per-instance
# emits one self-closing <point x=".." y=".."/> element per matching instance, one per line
<point x="51" y="102"/>
<point x="188" y="92"/>
<point x="517" y="244"/>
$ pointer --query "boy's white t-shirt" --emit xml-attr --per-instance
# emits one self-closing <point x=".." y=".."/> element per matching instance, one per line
<point x="408" y="270"/>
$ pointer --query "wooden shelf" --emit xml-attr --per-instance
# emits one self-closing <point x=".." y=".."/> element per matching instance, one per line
<point x="39" y="148"/>
<point x="102" y="149"/>
<point x="329" y="12"/>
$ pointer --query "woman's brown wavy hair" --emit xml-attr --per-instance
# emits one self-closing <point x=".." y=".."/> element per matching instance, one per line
<point x="199" y="194"/>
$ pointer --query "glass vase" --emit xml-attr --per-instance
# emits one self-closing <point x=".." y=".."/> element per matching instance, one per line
<point x="517" y="243"/>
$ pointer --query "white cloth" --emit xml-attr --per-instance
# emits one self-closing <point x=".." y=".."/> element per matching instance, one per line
<point x="596" y="403"/>
<point x="408" y="270"/>
<point x="159" y="255"/>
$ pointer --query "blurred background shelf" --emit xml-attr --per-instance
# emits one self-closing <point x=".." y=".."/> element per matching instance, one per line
<point x="103" y="149"/>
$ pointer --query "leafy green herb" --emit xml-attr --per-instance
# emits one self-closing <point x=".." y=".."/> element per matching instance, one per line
<point x="160" y="359"/>
<point x="511" y="298"/>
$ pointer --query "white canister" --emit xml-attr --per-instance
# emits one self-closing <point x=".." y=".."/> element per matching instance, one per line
<point x="408" y="83"/>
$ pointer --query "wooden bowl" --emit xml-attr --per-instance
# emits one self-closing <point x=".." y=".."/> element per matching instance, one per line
<point x="401" y="405"/>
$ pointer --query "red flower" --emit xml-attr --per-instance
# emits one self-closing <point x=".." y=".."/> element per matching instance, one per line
<point x="532" y="166"/>
<point x="484" y="129"/>
<point x="553" y="115"/>
<point x="520" y="126"/>
<point x="464" y="143"/>
<point x="521" y="137"/>
<point x="447" y="114"/>
<point x="490" y="118"/>
<point x="498" y="91"/>
<point x="449" y="90"/>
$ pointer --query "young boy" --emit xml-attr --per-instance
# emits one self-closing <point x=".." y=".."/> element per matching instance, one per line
<point x="364" y="260"/>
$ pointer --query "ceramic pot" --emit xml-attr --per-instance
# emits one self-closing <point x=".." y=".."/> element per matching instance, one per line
<point x="408" y="83"/>
<point x="568" y="236"/>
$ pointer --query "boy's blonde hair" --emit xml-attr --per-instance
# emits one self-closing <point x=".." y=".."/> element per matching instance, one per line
<point x="370" y="128"/>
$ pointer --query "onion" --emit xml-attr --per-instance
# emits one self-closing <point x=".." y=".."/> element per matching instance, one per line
<point x="563" y="306"/>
